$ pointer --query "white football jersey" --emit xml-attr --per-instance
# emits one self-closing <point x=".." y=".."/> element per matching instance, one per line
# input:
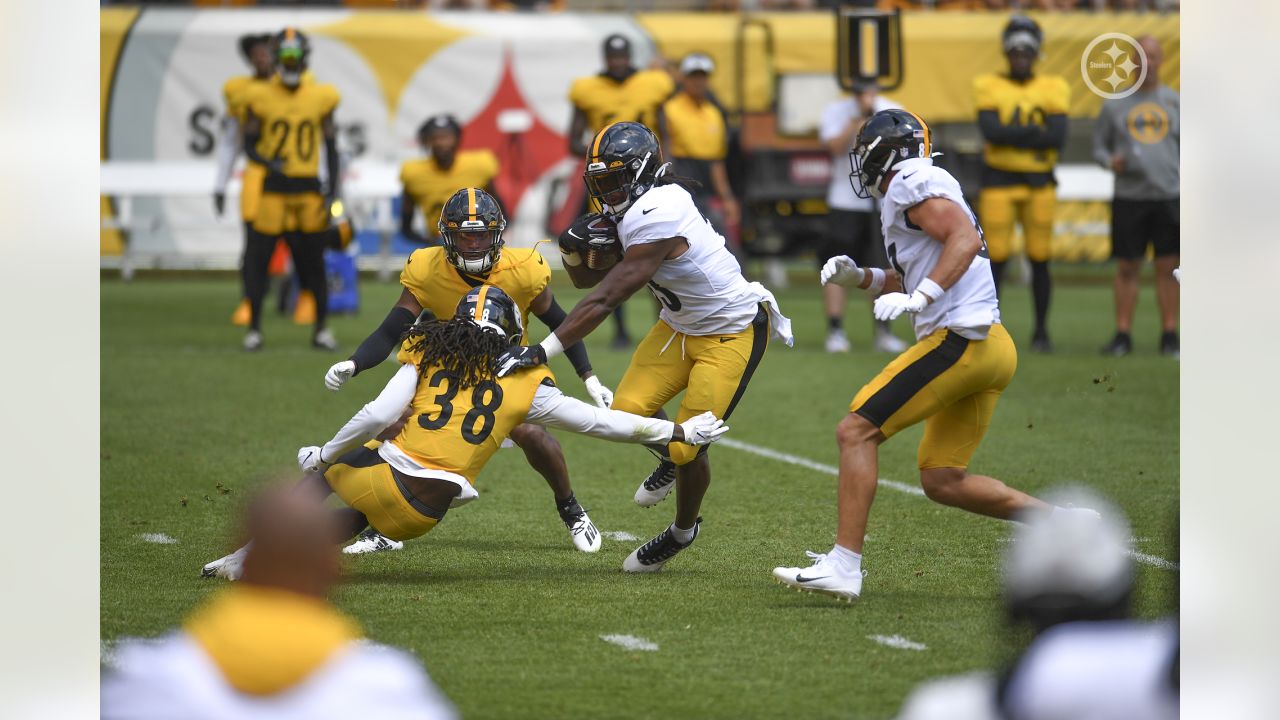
<point x="174" y="678"/>
<point x="969" y="307"/>
<point x="702" y="292"/>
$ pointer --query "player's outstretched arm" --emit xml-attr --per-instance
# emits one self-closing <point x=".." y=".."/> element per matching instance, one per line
<point x="636" y="268"/>
<point x="367" y="423"/>
<point x="552" y="408"/>
<point x="552" y="315"/>
<point x="379" y="344"/>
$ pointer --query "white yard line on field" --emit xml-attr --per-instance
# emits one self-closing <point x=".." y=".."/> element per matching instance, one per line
<point x="158" y="538"/>
<point x="630" y="642"/>
<point x="804" y="462"/>
<point x="619" y="535"/>
<point x="898" y="642"/>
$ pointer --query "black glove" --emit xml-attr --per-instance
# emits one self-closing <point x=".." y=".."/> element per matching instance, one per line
<point x="520" y="356"/>
<point x="589" y="227"/>
<point x="219" y="203"/>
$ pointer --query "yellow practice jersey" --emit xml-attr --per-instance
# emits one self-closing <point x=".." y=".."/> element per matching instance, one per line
<point x="458" y="429"/>
<point x="438" y="286"/>
<point x="697" y="129"/>
<point x="234" y="91"/>
<point x="605" y="100"/>
<point x="1025" y="103"/>
<point x="291" y="122"/>
<point x="430" y="186"/>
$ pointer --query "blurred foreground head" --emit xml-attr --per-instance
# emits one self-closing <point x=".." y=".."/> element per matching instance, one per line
<point x="294" y="542"/>
<point x="1069" y="566"/>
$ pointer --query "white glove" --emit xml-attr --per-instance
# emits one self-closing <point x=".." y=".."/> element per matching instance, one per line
<point x="338" y="374"/>
<point x="891" y="305"/>
<point x="703" y="429"/>
<point x="1177" y="275"/>
<point x="600" y="395"/>
<point x="841" y="270"/>
<point x="309" y="460"/>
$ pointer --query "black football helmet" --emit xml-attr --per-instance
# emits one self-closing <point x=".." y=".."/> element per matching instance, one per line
<point x="292" y="50"/>
<point x="623" y="162"/>
<point x="1022" y="33"/>
<point x="885" y="140"/>
<point x="494" y="310"/>
<point x="472" y="214"/>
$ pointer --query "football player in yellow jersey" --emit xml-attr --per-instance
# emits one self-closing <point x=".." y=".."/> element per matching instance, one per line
<point x="1023" y="118"/>
<point x="256" y="50"/>
<point x="428" y="182"/>
<point x="287" y="123"/>
<point x="473" y="253"/>
<point x="620" y="93"/>
<point x="460" y="412"/>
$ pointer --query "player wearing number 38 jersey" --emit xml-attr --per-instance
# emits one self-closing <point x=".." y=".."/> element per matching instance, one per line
<point x="713" y="328"/>
<point x="459" y="414"/>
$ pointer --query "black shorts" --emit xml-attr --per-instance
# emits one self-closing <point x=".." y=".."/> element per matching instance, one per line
<point x="1137" y="224"/>
<point x="855" y="233"/>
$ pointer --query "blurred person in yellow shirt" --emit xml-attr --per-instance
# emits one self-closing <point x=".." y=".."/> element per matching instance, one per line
<point x="1023" y="119"/>
<point x="430" y="181"/>
<point x="698" y="137"/>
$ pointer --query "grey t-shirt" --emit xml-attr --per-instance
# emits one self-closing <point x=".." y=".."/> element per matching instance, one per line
<point x="1144" y="128"/>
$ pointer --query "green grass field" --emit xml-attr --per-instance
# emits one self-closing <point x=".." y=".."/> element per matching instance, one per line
<point x="507" y="616"/>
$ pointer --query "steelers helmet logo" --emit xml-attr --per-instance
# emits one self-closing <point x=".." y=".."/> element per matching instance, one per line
<point x="1148" y="123"/>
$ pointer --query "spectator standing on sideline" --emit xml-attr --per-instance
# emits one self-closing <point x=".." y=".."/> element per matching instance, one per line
<point x="698" y="137"/>
<point x="619" y="93"/>
<point x="853" y="227"/>
<point x="1137" y="138"/>
<point x="271" y="646"/>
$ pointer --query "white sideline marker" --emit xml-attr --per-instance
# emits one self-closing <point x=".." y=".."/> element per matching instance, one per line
<point x="619" y="535"/>
<point x="803" y="462"/>
<point x="897" y="642"/>
<point x="158" y="538"/>
<point x="630" y="642"/>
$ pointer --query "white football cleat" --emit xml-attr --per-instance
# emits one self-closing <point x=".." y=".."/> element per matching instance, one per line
<point x="586" y="537"/>
<point x="837" y="342"/>
<point x="230" y="566"/>
<point x="324" y="340"/>
<point x="253" y="341"/>
<point x="371" y="541"/>
<point x="657" y="486"/>
<point x="825" y="576"/>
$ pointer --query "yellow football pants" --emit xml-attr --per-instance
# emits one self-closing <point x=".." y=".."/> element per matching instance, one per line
<point x="1032" y="208"/>
<point x="251" y="191"/>
<point x="280" y="213"/>
<point x="364" y="481"/>
<point x="949" y="382"/>
<point x="713" y="370"/>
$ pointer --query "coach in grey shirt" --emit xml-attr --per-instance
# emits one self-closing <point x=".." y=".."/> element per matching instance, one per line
<point x="1136" y="137"/>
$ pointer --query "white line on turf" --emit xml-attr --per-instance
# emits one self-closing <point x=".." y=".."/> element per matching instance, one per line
<point x="898" y="642"/>
<point x="630" y="642"/>
<point x="619" y="535"/>
<point x="804" y="462"/>
<point x="158" y="538"/>
<point x="812" y="465"/>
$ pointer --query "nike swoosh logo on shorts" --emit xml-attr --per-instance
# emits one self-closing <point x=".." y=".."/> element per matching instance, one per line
<point x="646" y="212"/>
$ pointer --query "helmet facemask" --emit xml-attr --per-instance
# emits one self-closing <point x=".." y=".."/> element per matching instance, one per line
<point x="474" y="247"/>
<point x="870" y="165"/>
<point x="291" y="62"/>
<point x="614" y="185"/>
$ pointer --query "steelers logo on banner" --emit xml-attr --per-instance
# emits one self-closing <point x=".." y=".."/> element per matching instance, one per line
<point x="1148" y="123"/>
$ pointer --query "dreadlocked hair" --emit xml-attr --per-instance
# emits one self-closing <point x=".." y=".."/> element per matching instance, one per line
<point x="460" y="346"/>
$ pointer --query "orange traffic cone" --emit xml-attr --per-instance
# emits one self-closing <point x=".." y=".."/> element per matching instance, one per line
<point x="304" y="312"/>
<point x="243" y="313"/>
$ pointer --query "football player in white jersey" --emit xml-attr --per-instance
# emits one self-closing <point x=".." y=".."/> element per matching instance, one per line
<point x="712" y="330"/>
<point x="954" y="374"/>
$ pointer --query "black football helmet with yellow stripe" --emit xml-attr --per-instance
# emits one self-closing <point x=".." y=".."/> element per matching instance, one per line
<point x="471" y="225"/>
<point x="292" y="51"/>
<point x="623" y="162"/>
<point x="886" y="139"/>
<point x="494" y="310"/>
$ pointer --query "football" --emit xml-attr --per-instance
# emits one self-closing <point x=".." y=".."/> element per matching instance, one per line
<point x="603" y="250"/>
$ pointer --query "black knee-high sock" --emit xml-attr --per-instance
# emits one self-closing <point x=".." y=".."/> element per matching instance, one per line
<point x="257" y="258"/>
<point x="1041" y="289"/>
<point x="997" y="274"/>
<point x="308" y="260"/>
